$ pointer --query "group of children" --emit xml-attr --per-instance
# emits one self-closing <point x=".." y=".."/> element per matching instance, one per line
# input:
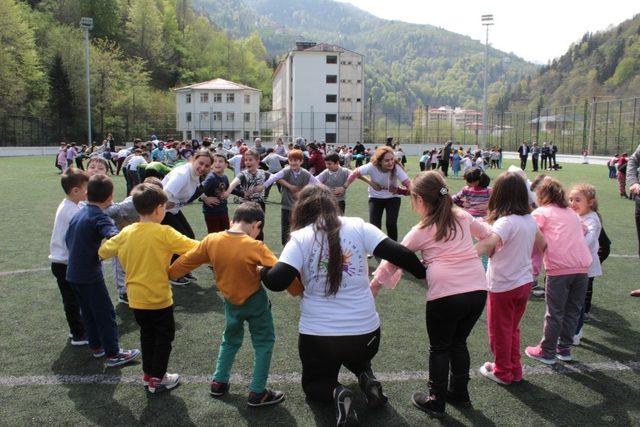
<point x="520" y="223"/>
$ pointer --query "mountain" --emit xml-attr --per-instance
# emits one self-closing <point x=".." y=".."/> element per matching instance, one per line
<point x="602" y="64"/>
<point x="407" y="65"/>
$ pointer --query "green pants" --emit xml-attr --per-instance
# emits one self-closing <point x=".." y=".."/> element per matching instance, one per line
<point x="256" y="311"/>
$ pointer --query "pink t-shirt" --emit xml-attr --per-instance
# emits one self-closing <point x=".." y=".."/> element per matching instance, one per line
<point x="510" y="266"/>
<point x="453" y="266"/>
<point x="567" y="251"/>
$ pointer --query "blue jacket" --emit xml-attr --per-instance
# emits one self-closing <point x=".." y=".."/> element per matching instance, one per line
<point x="86" y="230"/>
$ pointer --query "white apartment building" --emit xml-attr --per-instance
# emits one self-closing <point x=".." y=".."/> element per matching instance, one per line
<point x="318" y="93"/>
<point x="216" y="108"/>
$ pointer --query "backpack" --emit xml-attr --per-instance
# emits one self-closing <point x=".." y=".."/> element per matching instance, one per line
<point x="605" y="246"/>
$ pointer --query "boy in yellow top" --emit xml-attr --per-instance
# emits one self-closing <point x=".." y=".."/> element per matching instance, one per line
<point x="145" y="249"/>
<point x="236" y="256"/>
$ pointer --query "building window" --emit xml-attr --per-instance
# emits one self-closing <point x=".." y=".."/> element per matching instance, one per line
<point x="330" y="118"/>
<point x="204" y="98"/>
<point x="188" y="98"/>
<point x="358" y="100"/>
<point x="188" y="134"/>
<point x="217" y="97"/>
<point x="231" y="117"/>
<point x="217" y="116"/>
<point x="345" y="99"/>
<point x="330" y="138"/>
<point x="247" y="135"/>
<point x="332" y="59"/>
<point x="247" y="117"/>
<point x="332" y="78"/>
<point x="346" y="117"/>
<point x="231" y="98"/>
<point x="204" y="116"/>
<point x="247" y="99"/>
<point x="346" y="81"/>
<point x="345" y="62"/>
<point x="188" y="117"/>
<point x="256" y="133"/>
<point x="359" y="62"/>
<point x="359" y="81"/>
<point x="332" y="98"/>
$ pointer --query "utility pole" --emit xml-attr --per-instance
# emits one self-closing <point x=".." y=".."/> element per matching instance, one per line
<point x="487" y="21"/>
<point x="87" y="24"/>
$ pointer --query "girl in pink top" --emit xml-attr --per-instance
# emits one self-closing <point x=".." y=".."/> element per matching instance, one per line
<point x="456" y="286"/>
<point x="566" y="261"/>
<point x="509" y="275"/>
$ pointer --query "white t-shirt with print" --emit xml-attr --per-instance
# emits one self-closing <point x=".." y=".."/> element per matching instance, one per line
<point x="383" y="179"/>
<point x="352" y="310"/>
<point x="180" y="185"/>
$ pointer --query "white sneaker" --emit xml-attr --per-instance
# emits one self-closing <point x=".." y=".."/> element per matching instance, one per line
<point x="577" y="337"/>
<point x="487" y="371"/>
<point x="169" y="381"/>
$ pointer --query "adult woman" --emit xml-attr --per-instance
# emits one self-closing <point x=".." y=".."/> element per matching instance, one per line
<point x="339" y="324"/>
<point x="182" y="186"/>
<point x="384" y="194"/>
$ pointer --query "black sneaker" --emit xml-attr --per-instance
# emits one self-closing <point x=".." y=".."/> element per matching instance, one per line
<point x="182" y="281"/>
<point x="218" y="389"/>
<point x="343" y="401"/>
<point x="372" y="389"/>
<point x="123" y="299"/>
<point x="190" y="277"/>
<point x="428" y="404"/>
<point x="266" y="398"/>
<point x="79" y="340"/>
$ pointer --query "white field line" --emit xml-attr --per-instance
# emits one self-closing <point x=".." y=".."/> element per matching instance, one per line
<point x="295" y="377"/>
<point x="35" y="270"/>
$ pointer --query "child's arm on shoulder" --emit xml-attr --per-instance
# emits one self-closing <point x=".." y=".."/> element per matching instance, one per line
<point x="488" y="245"/>
<point x="106" y="227"/>
<point x="540" y="242"/>
<point x="268" y="260"/>
<point x="190" y="260"/>
<point x="110" y="247"/>
<point x="480" y="229"/>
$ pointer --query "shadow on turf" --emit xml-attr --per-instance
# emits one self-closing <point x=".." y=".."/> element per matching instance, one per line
<point x="621" y="334"/>
<point x="268" y="415"/>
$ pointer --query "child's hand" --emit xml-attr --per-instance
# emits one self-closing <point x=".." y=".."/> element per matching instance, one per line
<point x="375" y="287"/>
<point x="375" y="186"/>
<point x="338" y="191"/>
<point x="224" y="195"/>
<point x="211" y="201"/>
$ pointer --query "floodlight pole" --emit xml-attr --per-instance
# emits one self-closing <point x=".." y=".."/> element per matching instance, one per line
<point x="87" y="24"/>
<point x="487" y="20"/>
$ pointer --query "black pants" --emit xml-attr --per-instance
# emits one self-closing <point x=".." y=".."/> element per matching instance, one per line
<point x="322" y="357"/>
<point x="449" y="323"/>
<point x="285" y="224"/>
<point x="638" y="220"/>
<point x="523" y="162"/>
<point x="392" y="206"/>
<point x="534" y="160"/>
<point x="423" y="166"/>
<point x="342" y="205"/>
<point x="552" y="161"/>
<point x="264" y="209"/>
<point x="359" y="162"/>
<point x="157" y="331"/>
<point x="544" y="163"/>
<point x="179" y="223"/>
<point x="79" y="164"/>
<point x="69" y="301"/>
<point x="589" y="296"/>
<point x="445" y="168"/>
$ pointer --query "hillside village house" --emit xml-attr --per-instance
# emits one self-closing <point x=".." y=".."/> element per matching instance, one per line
<point x="318" y="94"/>
<point x="216" y="108"/>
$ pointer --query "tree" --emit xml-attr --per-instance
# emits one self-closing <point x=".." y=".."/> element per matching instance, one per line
<point x="144" y="29"/>
<point x="60" y="97"/>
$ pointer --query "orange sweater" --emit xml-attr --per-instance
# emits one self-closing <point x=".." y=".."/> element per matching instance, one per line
<point x="235" y="258"/>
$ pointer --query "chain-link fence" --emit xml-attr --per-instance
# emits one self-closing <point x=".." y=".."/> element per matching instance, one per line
<point x="602" y="127"/>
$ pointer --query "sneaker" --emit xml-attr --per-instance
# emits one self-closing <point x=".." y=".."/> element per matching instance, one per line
<point x="538" y="292"/>
<point x="428" y="404"/>
<point x="78" y="341"/>
<point x="266" y="398"/>
<point x="145" y="380"/>
<point x="577" y="337"/>
<point x="182" y="281"/>
<point x="169" y="381"/>
<point x="123" y="299"/>
<point x="487" y="371"/>
<point x="97" y="352"/>
<point x="218" y="389"/>
<point x="190" y="277"/>
<point x="564" y="354"/>
<point x="122" y="358"/>
<point x="343" y="400"/>
<point x="372" y="390"/>
<point x="536" y="353"/>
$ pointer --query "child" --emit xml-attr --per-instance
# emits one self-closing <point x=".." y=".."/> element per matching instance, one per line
<point x="455" y="163"/>
<point x="335" y="177"/>
<point x="509" y="275"/>
<point x="457" y="288"/>
<point x="582" y="200"/>
<point x="474" y="197"/>
<point x="74" y="184"/>
<point x="86" y="230"/>
<point x="214" y="207"/>
<point x="250" y="182"/>
<point x="622" y="175"/>
<point x="145" y="249"/>
<point x="423" y="160"/>
<point x="61" y="160"/>
<point x="236" y="256"/>
<point x="566" y="260"/>
<point x="292" y="178"/>
<point x="97" y="166"/>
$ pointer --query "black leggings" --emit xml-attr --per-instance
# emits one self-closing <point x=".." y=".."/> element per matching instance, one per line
<point x="392" y="206"/>
<point x="179" y="223"/>
<point x="322" y="357"/>
<point x="449" y="322"/>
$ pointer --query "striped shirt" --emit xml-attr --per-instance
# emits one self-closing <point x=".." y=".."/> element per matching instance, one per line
<point x="474" y="200"/>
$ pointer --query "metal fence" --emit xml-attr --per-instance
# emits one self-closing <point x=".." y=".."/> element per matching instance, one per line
<point x="602" y="126"/>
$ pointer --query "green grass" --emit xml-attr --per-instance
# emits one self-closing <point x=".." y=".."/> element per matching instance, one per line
<point x="33" y="330"/>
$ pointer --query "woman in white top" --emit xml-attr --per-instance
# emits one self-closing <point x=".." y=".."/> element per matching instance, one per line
<point x="182" y="187"/>
<point x="339" y="324"/>
<point x="384" y="192"/>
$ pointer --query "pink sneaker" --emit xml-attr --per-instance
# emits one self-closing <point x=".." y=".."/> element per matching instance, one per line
<point x="536" y="353"/>
<point x="564" y="354"/>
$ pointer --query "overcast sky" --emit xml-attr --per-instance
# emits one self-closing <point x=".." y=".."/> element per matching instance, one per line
<point x="536" y="31"/>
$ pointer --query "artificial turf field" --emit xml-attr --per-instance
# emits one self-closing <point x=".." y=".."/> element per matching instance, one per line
<point x="43" y="380"/>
